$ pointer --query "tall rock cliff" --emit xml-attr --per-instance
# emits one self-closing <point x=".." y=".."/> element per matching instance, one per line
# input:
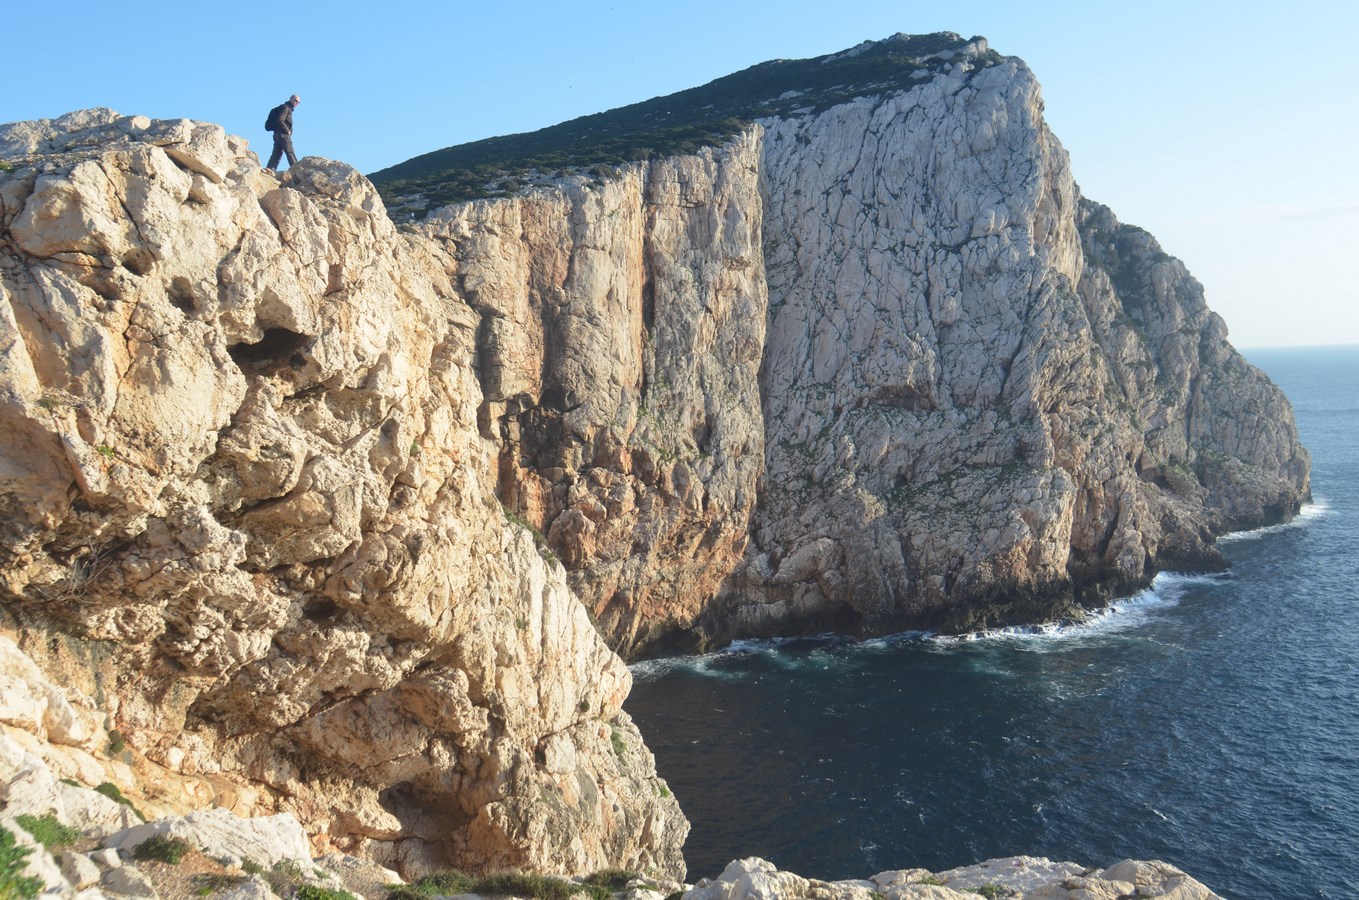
<point x="980" y="399"/>
<point x="984" y="400"/>
<point x="622" y="329"/>
<point x="299" y="509"/>
<point x="249" y="516"/>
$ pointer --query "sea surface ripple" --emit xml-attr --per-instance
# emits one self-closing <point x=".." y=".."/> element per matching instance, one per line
<point x="1210" y="721"/>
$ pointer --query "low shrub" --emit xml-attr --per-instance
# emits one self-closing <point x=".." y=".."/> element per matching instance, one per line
<point x="312" y="892"/>
<point x="13" y="881"/>
<point x="46" y="830"/>
<point x="169" y="850"/>
<point x="537" y="887"/>
<point x="110" y="790"/>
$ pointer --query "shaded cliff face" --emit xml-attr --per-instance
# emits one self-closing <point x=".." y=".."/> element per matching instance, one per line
<point x="980" y="399"/>
<point x="247" y="507"/>
<point x="622" y="328"/>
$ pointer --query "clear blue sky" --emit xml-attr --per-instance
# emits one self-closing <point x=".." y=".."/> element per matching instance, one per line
<point x="1227" y="129"/>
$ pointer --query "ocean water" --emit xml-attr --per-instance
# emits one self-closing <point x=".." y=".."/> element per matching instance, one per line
<point x="1210" y="721"/>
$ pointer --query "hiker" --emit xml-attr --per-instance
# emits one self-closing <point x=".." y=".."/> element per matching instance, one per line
<point x="280" y="122"/>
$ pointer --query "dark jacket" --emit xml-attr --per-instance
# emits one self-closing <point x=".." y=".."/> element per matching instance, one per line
<point x="283" y="117"/>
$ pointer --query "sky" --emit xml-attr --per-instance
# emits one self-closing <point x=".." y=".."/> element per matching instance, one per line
<point x="1228" y="130"/>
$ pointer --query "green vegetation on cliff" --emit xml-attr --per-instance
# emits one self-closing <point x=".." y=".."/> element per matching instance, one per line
<point x="666" y="126"/>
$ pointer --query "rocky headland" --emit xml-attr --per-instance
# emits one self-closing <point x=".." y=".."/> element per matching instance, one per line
<point x="307" y="515"/>
<point x="868" y="362"/>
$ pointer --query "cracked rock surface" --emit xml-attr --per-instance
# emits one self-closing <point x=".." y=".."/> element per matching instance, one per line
<point x="865" y="368"/>
<point x="247" y="506"/>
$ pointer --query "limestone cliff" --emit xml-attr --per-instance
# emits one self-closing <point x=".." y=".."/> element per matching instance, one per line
<point x="249" y="516"/>
<point x="622" y="329"/>
<point x="286" y="493"/>
<point x="979" y="399"/>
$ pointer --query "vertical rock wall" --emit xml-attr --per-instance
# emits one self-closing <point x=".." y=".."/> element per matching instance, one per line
<point x="247" y="508"/>
<point x="970" y="421"/>
<point x="622" y="327"/>
<point x="980" y="400"/>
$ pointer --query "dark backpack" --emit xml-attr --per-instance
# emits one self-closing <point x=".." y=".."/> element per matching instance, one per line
<point x="271" y="123"/>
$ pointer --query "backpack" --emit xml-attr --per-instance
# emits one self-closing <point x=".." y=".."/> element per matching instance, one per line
<point x="271" y="123"/>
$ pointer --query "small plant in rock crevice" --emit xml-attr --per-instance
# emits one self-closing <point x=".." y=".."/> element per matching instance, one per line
<point x="162" y="848"/>
<point x="13" y="881"/>
<point x="110" y="790"/>
<point x="49" y="832"/>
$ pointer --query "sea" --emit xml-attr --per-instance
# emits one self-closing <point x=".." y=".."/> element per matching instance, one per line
<point x="1209" y="721"/>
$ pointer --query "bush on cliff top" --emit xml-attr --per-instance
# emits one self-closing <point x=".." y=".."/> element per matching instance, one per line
<point x="599" y="886"/>
<point x="46" y="830"/>
<point x="665" y="126"/>
<point x="13" y="881"/>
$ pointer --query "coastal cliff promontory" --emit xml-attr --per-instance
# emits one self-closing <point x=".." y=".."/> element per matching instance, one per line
<point x="306" y="513"/>
<point x="864" y="361"/>
<point x="248" y="515"/>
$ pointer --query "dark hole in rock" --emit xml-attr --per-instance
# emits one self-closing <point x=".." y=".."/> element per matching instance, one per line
<point x="181" y="294"/>
<point x="320" y="610"/>
<point x="139" y="261"/>
<point x="278" y="347"/>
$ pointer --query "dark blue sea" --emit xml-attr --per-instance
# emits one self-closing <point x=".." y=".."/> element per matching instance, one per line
<point x="1212" y="722"/>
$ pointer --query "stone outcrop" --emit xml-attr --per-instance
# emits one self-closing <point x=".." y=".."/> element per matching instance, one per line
<point x="231" y="848"/>
<point x="1018" y="877"/>
<point x="246" y="506"/>
<point x="298" y="511"/>
<point x="621" y="337"/>
<point x="980" y="399"/>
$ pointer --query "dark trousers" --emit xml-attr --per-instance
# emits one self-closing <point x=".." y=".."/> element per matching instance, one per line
<point x="283" y="143"/>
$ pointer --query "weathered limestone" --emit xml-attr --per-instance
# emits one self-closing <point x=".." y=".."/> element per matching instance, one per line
<point x="622" y="328"/>
<point x="286" y="490"/>
<point x="964" y="424"/>
<point x="1018" y="877"/>
<point x="244" y="501"/>
<point x="981" y="401"/>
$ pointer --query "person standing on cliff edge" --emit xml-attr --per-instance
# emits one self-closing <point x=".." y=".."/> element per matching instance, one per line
<point x="280" y="122"/>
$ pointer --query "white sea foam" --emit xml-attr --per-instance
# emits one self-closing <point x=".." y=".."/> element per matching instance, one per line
<point x="827" y="650"/>
<point x="1319" y="508"/>
<point x="712" y="664"/>
<point x="1119" y="616"/>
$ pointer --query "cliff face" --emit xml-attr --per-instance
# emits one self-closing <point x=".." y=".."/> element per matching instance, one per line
<point x="622" y="328"/>
<point x="284" y="490"/>
<point x="248" y="509"/>
<point x="984" y="400"/>
<point x="980" y="399"/>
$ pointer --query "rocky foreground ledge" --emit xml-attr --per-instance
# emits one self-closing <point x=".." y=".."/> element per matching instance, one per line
<point x="62" y="839"/>
<point x="68" y="830"/>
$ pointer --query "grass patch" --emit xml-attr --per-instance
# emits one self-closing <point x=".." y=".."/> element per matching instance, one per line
<point x="539" y="540"/>
<point x="677" y="124"/>
<point x="13" y="881"/>
<point x="433" y="885"/>
<point x="207" y="884"/>
<point x="610" y="879"/>
<point x="312" y="892"/>
<point x="507" y="884"/>
<point x="110" y="790"/>
<point x="46" y="830"/>
<point x="287" y="879"/>
<point x="163" y="849"/>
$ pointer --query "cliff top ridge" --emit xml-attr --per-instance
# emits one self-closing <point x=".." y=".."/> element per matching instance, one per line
<point x="675" y="124"/>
